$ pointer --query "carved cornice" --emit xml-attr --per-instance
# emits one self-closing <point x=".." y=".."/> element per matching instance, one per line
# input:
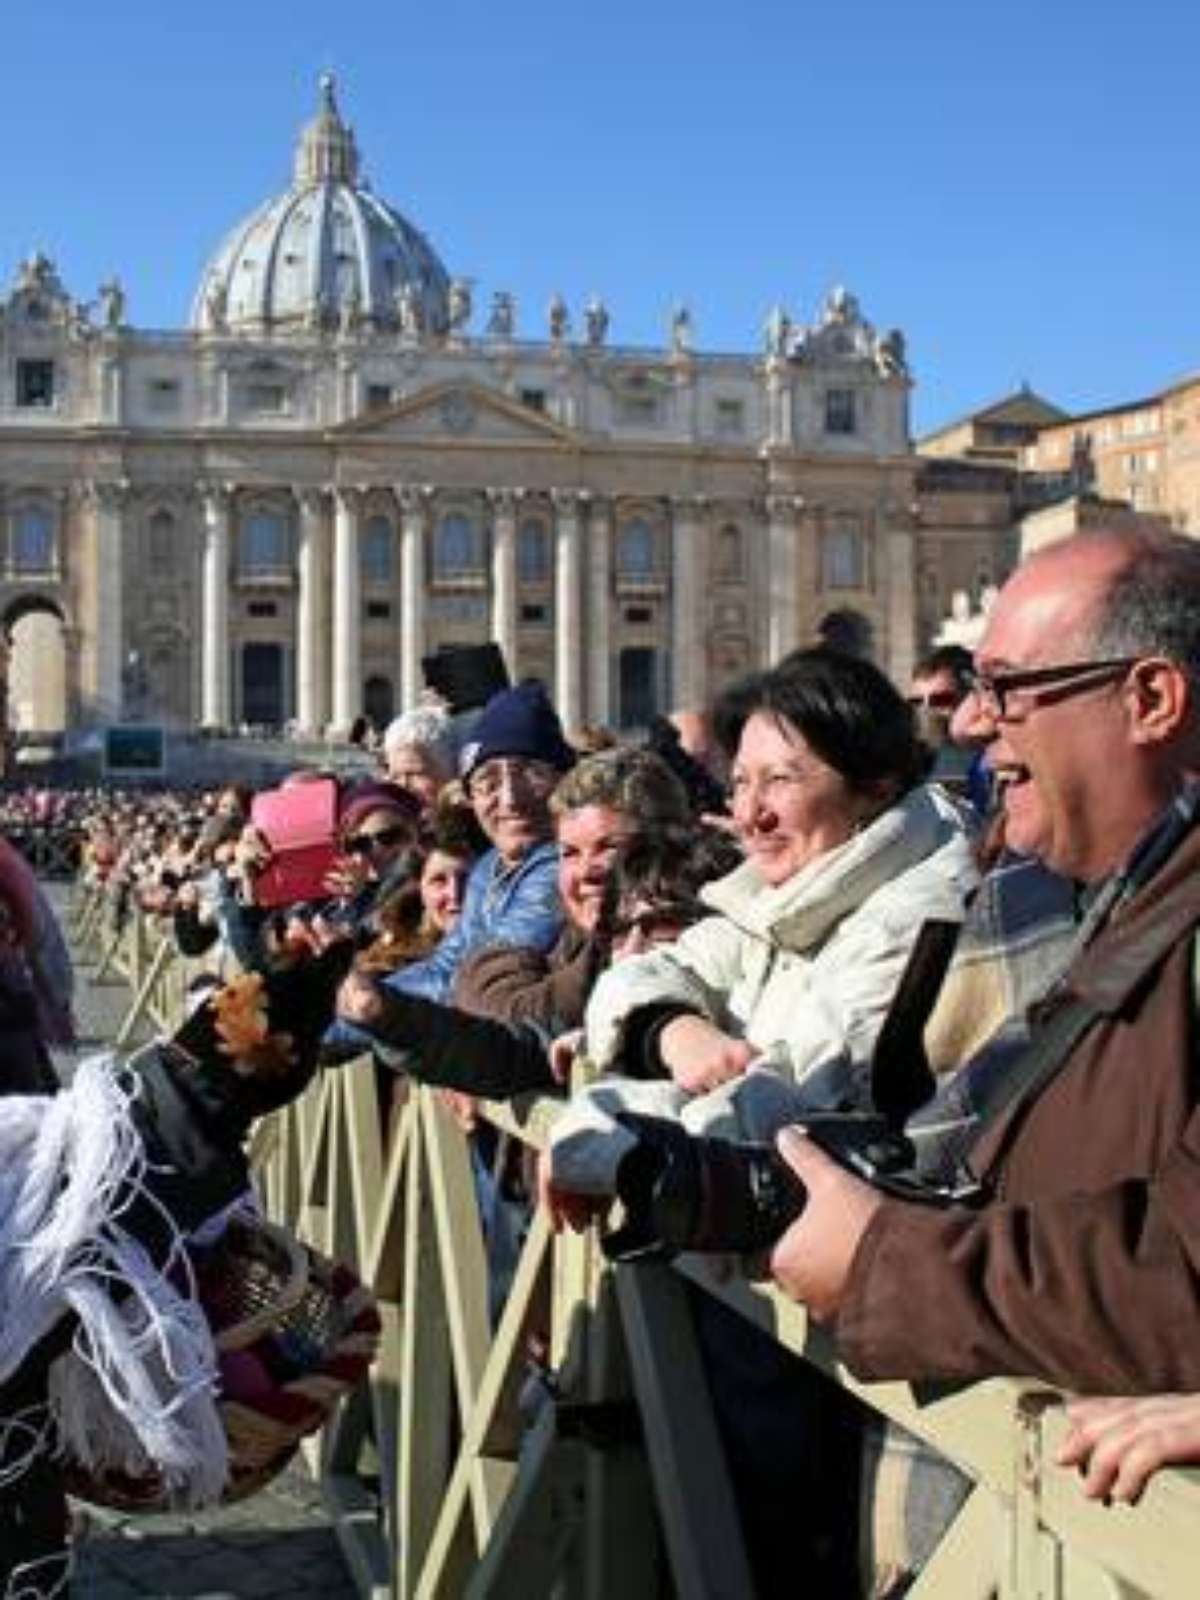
<point x="504" y="502"/>
<point x="785" y="507"/>
<point x="414" y="498"/>
<point x="312" y="498"/>
<point x="107" y="494"/>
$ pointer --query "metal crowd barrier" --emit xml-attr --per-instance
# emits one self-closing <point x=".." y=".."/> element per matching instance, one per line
<point x="446" y="1481"/>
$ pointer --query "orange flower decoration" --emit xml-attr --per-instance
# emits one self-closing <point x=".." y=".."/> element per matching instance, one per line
<point x="243" y="1029"/>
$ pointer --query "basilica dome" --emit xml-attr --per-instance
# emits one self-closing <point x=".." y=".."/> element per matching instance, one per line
<point x="327" y="252"/>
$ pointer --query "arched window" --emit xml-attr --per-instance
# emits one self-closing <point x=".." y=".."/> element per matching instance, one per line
<point x="160" y="541"/>
<point x="264" y="542"/>
<point x="636" y="554"/>
<point x="731" y="555"/>
<point x="377" y="548"/>
<point x="533" y="553"/>
<point x="457" y="546"/>
<point x="32" y="540"/>
<point x="844" y="556"/>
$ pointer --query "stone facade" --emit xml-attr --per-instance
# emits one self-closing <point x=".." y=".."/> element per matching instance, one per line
<point x="271" y="516"/>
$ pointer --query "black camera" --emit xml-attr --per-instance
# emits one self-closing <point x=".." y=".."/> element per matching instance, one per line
<point x="681" y="1193"/>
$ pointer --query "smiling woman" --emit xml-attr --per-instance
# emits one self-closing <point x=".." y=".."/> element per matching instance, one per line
<point x="847" y="853"/>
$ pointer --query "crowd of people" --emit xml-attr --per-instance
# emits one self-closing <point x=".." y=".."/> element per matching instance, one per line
<point x="922" y="957"/>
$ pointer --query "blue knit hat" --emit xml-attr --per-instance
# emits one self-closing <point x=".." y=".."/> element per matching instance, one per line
<point x="517" y="722"/>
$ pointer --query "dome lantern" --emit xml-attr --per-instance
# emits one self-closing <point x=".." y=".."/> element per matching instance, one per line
<point x="327" y="151"/>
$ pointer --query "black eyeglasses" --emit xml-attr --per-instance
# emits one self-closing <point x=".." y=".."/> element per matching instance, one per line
<point x="362" y="844"/>
<point x="993" y="690"/>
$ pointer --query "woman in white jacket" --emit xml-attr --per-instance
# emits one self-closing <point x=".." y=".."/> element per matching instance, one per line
<point x="772" y="1004"/>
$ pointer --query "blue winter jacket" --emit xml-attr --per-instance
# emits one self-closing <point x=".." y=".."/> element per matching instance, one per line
<point x="514" y="904"/>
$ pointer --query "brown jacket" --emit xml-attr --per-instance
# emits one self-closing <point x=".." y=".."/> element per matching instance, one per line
<point x="1085" y="1270"/>
<point x="518" y="984"/>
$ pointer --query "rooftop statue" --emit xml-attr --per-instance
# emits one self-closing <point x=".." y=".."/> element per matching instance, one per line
<point x="595" y="321"/>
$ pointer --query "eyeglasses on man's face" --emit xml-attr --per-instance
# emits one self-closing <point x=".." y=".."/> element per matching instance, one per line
<point x="514" y="772"/>
<point x="994" y="691"/>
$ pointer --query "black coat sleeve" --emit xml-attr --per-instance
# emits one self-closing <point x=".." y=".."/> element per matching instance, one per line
<point x="456" y="1050"/>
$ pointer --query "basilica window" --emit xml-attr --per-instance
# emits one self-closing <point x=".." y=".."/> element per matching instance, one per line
<point x="730" y="419"/>
<point x="35" y="383"/>
<point x="160" y="542"/>
<point x="844" y="557"/>
<point x="840" y="411"/>
<point x="264" y="544"/>
<point x="731" y="552"/>
<point x="32" y="534"/>
<point x="533" y="553"/>
<point x="457" y="548"/>
<point x="377" y="551"/>
<point x="267" y="398"/>
<point x="637" y="551"/>
<point x="163" y="396"/>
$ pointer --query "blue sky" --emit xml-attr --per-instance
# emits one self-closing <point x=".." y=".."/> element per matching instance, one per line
<point x="1014" y="186"/>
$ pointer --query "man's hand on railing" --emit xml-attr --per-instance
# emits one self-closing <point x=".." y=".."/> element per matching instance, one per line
<point x="1118" y="1442"/>
<point x="811" y="1261"/>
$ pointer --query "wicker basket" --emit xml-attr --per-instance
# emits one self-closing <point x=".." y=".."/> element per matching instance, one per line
<point x="294" y="1333"/>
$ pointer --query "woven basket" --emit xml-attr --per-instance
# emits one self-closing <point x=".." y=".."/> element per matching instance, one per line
<point x="294" y="1333"/>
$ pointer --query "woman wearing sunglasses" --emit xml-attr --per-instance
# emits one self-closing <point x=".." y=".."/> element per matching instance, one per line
<point x="377" y="831"/>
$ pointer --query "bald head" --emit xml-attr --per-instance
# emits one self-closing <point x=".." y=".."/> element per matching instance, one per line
<point x="1121" y="592"/>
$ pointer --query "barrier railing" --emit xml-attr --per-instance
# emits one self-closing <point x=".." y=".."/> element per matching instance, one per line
<point x="455" y="1473"/>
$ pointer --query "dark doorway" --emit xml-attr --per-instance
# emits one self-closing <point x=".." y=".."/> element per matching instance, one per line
<point x="638" y="686"/>
<point x="262" y="685"/>
<point x="379" y="702"/>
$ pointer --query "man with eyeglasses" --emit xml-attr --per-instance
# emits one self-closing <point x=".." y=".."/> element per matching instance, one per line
<point x="509" y="769"/>
<point x="1078" y="1261"/>
<point x="939" y="684"/>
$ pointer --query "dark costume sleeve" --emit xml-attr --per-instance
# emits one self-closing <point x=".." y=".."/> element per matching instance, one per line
<point x="455" y="1050"/>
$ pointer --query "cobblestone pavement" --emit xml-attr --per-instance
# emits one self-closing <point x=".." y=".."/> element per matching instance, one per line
<point x="278" y="1543"/>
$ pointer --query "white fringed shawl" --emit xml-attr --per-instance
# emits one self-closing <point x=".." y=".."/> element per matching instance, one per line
<point x="139" y="1385"/>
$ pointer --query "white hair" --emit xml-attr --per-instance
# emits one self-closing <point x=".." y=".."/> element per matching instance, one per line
<point x="428" y="728"/>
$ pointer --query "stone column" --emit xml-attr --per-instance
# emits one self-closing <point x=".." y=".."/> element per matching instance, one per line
<point x="599" y="609"/>
<point x="504" y="574"/>
<point x="108" y="501"/>
<point x="900" y="547"/>
<point x="413" y="500"/>
<point x="216" y="500"/>
<point x="347" y="611"/>
<point x="783" y="601"/>
<point x="689" y="634"/>
<point x="812" y="601"/>
<point x="312" y="669"/>
<point x="568" y="613"/>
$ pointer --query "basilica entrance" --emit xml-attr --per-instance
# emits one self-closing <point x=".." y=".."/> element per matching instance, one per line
<point x="263" y="700"/>
<point x="34" y="634"/>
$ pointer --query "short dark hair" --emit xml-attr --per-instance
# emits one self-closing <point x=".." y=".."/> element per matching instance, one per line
<point x="955" y="659"/>
<point x="843" y="706"/>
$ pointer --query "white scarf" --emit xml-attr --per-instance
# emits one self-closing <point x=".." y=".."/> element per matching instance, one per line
<point x="138" y="1388"/>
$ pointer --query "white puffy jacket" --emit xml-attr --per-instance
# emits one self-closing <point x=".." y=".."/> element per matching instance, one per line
<point x="805" y="970"/>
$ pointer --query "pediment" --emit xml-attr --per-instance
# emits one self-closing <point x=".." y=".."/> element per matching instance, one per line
<point x="462" y="411"/>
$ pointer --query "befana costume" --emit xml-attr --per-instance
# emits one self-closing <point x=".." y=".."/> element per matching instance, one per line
<point x="111" y="1190"/>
